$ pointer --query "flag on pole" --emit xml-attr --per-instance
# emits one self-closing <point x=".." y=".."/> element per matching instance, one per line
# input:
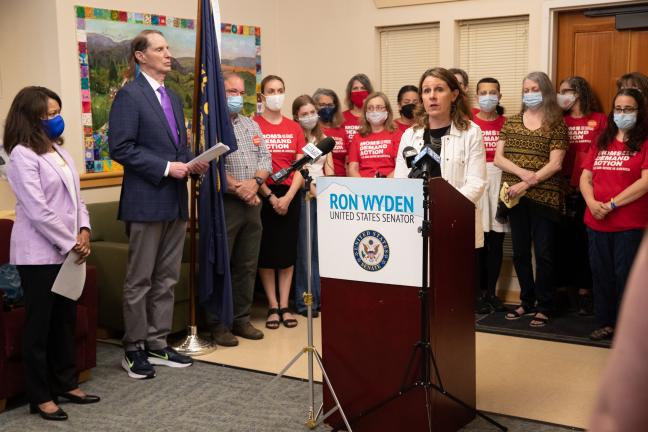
<point x="214" y="279"/>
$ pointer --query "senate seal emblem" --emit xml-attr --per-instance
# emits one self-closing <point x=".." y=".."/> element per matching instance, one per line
<point x="371" y="250"/>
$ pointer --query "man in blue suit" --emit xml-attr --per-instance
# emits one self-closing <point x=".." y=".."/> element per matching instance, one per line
<point x="147" y="135"/>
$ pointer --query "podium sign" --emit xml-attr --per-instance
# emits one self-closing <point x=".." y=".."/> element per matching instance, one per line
<point x="376" y="229"/>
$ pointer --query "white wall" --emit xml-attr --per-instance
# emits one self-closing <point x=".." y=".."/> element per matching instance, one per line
<point x="28" y="57"/>
<point x="310" y="43"/>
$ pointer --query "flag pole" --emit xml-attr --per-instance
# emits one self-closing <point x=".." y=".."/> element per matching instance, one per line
<point x="193" y="344"/>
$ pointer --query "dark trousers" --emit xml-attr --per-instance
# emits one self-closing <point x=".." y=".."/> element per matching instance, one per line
<point x="48" y="339"/>
<point x="530" y="225"/>
<point x="611" y="257"/>
<point x="244" y="240"/>
<point x="572" y="259"/>
<point x="490" y="262"/>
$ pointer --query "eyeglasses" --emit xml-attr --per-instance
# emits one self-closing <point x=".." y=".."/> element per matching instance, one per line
<point x="233" y="92"/>
<point x="331" y="105"/>
<point x="377" y="108"/>
<point x="624" y="110"/>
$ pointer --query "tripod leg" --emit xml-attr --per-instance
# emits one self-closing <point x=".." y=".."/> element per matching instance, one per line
<point x="428" y="407"/>
<point x="288" y="366"/>
<point x="408" y="371"/>
<point x="330" y="386"/>
<point x="437" y="374"/>
<point x="469" y="408"/>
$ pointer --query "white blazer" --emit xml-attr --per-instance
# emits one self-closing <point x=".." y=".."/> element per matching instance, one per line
<point x="463" y="165"/>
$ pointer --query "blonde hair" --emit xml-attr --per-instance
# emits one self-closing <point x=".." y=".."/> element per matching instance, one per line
<point x="365" y="127"/>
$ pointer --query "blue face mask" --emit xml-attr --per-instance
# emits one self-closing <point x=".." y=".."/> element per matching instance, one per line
<point x="326" y="114"/>
<point x="532" y="99"/>
<point x="235" y="104"/>
<point x="488" y="103"/>
<point x="625" y="121"/>
<point x="54" y="127"/>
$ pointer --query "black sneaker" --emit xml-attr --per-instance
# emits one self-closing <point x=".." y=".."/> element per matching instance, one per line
<point x="169" y="357"/>
<point x="496" y="304"/>
<point x="137" y="366"/>
<point x="481" y="306"/>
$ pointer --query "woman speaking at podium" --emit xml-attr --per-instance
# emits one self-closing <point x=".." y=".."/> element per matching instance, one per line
<point x="443" y="123"/>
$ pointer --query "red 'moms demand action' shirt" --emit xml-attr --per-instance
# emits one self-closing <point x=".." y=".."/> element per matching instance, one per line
<point x="284" y="141"/>
<point x="402" y="126"/>
<point x="613" y="170"/>
<point x="375" y="153"/>
<point x="583" y="132"/>
<point x="490" y="134"/>
<point x="340" y="150"/>
<point x="351" y="124"/>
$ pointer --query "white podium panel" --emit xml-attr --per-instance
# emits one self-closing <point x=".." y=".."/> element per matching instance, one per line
<point x="368" y="229"/>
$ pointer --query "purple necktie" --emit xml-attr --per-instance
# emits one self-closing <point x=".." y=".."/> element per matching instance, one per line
<point x="168" y="113"/>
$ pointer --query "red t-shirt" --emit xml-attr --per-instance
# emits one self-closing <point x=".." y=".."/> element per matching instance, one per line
<point x="490" y="134"/>
<point x="375" y="153"/>
<point x="402" y="126"/>
<point x="284" y="141"/>
<point x="340" y="150"/>
<point x="582" y="133"/>
<point x="351" y="124"/>
<point x="613" y="170"/>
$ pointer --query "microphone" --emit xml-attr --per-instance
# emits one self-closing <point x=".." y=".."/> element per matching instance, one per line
<point x="409" y="153"/>
<point x="311" y="153"/>
<point x="427" y="163"/>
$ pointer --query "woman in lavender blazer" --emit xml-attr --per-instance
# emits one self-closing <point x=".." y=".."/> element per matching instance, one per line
<point x="51" y="221"/>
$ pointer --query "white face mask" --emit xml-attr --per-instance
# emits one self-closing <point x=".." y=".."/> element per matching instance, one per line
<point x="377" y="118"/>
<point x="566" y="100"/>
<point x="308" y="122"/>
<point x="275" y="102"/>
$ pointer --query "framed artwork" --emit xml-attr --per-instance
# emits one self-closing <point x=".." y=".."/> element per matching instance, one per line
<point x="103" y="42"/>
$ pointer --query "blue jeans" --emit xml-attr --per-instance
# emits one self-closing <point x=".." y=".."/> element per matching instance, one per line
<point x="301" y="268"/>
<point x="611" y="256"/>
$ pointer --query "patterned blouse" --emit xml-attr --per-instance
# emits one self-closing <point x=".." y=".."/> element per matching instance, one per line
<point x="530" y="150"/>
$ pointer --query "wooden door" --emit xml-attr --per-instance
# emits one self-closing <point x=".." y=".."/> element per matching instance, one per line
<point x="594" y="49"/>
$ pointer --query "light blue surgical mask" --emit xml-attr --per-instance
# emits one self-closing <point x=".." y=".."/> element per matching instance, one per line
<point x="532" y="99"/>
<point x="235" y="104"/>
<point x="625" y="121"/>
<point x="488" y="103"/>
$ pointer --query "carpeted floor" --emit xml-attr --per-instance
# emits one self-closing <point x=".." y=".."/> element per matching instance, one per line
<point x="568" y="327"/>
<point x="203" y="397"/>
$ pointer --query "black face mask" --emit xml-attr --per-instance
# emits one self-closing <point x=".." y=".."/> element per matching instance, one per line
<point x="407" y="111"/>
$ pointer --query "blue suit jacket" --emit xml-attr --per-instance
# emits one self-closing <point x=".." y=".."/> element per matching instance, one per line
<point x="140" y="139"/>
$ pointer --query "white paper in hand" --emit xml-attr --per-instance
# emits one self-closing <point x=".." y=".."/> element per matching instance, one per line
<point x="211" y="153"/>
<point x="71" y="278"/>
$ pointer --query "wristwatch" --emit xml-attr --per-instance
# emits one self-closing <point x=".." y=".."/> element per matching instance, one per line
<point x="258" y="180"/>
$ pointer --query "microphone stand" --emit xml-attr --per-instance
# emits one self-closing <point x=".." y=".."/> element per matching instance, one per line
<point x="315" y="418"/>
<point x="427" y="362"/>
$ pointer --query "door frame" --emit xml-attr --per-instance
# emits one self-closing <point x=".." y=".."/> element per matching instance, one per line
<point x="548" y="36"/>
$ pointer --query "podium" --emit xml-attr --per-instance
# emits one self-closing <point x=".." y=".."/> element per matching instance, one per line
<point x="369" y="328"/>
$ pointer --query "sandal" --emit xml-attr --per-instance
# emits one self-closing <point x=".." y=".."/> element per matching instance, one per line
<point x="514" y="314"/>
<point x="603" y="333"/>
<point x="290" y="322"/>
<point x="539" y="321"/>
<point x="272" y="324"/>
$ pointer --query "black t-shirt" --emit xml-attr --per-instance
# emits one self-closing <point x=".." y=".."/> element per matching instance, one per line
<point x="432" y="138"/>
